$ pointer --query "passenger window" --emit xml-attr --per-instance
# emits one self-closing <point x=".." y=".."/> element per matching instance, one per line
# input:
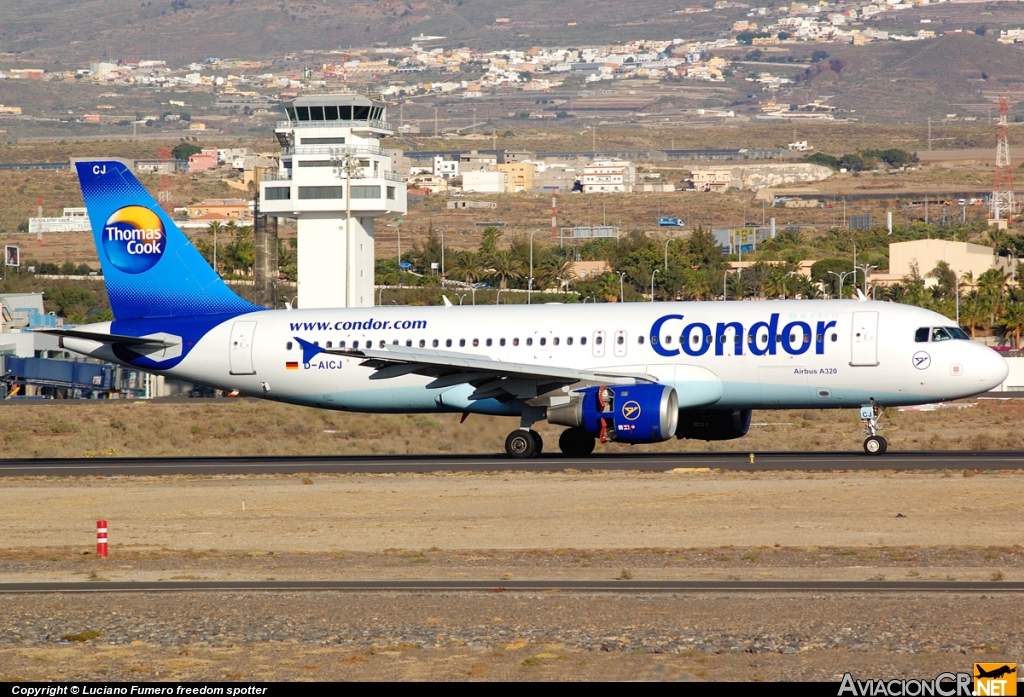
<point x="422" y="343"/>
<point x="620" y="340"/>
<point x="640" y="340"/>
<point x="501" y="342"/>
<point x="821" y="338"/>
<point x="328" y="344"/>
<point x="940" y="334"/>
<point x="583" y="341"/>
<point x="555" y="341"/>
<point x="435" y="342"/>
<point x="288" y="346"/>
<point x="476" y="342"/>
<point x="462" y="342"/>
<point x="515" y="342"/>
<point x="668" y="339"/>
<point x="316" y="343"/>
<point x="341" y="344"/>
<point x="395" y="342"/>
<point x="381" y="344"/>
<point x="408" y="342"/>
<point x="529" y="341"/>
<point x="355" y="344"/>
<point x="543" y="341"/>
<point x="835" y="337"/>
<point x="599" y="340"/>
<point x="448" y="343"/>
<point x="569" y="341"/>
<point x="490" y="342"/>
<point x="695" y="340"/>
<point x="921" y="335"/>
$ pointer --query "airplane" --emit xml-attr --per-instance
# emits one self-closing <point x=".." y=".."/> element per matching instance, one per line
<point x="620" y="372"/>
<point x="995" y="673"/>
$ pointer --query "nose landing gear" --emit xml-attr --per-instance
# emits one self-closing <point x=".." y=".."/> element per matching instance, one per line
<point x="874" y="444"/>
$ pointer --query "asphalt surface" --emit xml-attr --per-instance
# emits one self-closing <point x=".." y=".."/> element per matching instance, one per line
<point x="502" y="586"/>
<point x="640" y="462"/>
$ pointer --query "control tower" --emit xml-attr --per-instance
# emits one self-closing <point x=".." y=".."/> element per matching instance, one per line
<point x="334" y="179"/>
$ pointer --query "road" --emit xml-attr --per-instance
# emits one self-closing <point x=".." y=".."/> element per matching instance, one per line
<point x="535" y="586"/>
<point x="640" y="462"/>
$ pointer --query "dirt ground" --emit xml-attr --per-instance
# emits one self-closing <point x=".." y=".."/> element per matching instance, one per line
<point x="600" y="525"/>
<point x="138" y="428"/>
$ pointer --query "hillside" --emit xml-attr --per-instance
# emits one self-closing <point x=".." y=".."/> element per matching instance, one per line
<point x="182" y="30"/>
<point x="958" y="73"/>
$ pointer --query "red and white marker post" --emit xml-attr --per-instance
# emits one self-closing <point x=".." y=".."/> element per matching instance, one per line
<point x="101" y="538"/>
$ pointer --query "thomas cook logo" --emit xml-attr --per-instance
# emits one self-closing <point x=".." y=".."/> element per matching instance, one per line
<point x="631" y="411"/>
<point x="134" y="239"/>
<point x="995" y="679"/>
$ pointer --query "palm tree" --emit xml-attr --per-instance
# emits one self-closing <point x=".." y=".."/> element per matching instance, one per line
<point x="469" y="265"/>
<point x="504" y="265"/>
<point x="1011" y="322"/>
<point x="608" y="288"/>
<point x="973" y="312"/>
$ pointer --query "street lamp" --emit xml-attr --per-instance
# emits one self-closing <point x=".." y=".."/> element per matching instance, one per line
<point x="958" y="297"/>
<point x="380" y="297"/>
<point x="346" y="165"/>
<point x="497" y="300"/>
<point x="725" y="278"/>
<point x="398" y="229"/>
<point x="864" y="268"/>
<point x="622" y="292"/>
<point x="529" y="288"/>
<point x="667" y="243"/>
<point x="841" y="276"/>
<point x="461" y="298"/>
<point x="791" y="273"/>
<point x="652" y="284"/>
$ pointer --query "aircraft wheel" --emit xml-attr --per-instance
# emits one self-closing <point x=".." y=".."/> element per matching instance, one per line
<point x="875" y="445"/>
<point x="539" y="443"/>
<point x="520" y="445"/>
<point x="575" y="442"/>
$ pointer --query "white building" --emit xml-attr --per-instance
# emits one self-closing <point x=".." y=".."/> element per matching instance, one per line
<point x="72" y="220"/>
<point x="449" y="169"/>
<point x="483" y="182"/>
<point x="616" y="176"/>
<point x="322" y="135"/>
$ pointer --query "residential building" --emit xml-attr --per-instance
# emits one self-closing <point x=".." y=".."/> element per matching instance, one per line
<point x="72" y="220"/>
<point x="519" y="176"/>
<point x="225" y="210"/>
<point x="607" y="176"/>
<point x="203" y="161"/>
<point x="484" y="182"/>
<point x="962" y="257"/>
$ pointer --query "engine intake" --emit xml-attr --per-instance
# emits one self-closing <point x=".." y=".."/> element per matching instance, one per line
<point x="713" y="424"/>
<point x="623" y="413"/>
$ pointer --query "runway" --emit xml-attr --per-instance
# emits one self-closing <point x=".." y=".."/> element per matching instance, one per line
<point x="638" y="462"/>
<point x="611" y="586"/>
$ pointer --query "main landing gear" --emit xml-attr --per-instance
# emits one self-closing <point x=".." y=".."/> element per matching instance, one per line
<point x="874" y="444"/>
<point x="524" y="443"/>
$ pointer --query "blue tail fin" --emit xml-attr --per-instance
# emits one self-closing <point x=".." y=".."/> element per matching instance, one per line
<point x="150" y="267"/>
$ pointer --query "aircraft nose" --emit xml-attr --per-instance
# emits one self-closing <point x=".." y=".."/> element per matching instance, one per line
<point x="991" y="368"/>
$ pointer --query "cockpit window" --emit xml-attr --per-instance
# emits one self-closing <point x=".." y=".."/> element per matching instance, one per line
<point x="958" y="333"/>
<point x="921" y="335"/>
<point x="941" y="334"/>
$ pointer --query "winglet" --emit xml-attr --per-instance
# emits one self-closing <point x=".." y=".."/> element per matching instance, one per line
<point x="860" y="295"/>
<point x="309" y="350"/>
<point x="447" y="302"/>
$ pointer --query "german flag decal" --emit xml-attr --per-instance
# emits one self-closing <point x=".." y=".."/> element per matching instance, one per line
<point x="290" y="365"/>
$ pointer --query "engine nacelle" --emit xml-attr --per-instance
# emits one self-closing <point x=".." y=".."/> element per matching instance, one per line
<point x="624" y="413"/>
<point x="713" y="424"/>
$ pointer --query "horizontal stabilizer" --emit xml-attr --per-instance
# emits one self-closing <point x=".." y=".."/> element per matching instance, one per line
<point x="118" y="339"/>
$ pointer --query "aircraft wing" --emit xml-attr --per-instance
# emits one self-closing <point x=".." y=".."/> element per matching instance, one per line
<point x="119" y="339"/>
<point x="492" y="379"/>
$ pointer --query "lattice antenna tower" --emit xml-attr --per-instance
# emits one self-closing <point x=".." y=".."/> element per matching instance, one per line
<point x="1003" y="203"/>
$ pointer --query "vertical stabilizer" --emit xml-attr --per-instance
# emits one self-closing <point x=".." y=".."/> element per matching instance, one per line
<point x="149" y="266"/>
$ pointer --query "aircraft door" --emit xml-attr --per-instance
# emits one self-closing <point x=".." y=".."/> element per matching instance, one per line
<point x="240" y="349"/>
<point x="620" y="343"/>
<point x="598" y="344"/>
<point x="865" y="339"/>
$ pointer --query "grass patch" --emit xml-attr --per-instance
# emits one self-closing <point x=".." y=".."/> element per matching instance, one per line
<point x="87" y="635"/>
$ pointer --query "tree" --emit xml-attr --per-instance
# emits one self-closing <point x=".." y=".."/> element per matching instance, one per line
<point x="469" y="265"/>
<point x="973" y="312"/>
<point x="182" y="151"/>
<point x="1011" y="322"/>
<point x="504" y="266"/>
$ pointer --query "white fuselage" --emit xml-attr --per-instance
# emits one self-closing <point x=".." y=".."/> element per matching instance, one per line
<point x="823" y="354"/>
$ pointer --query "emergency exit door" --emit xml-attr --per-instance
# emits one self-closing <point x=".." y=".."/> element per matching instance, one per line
<point x="865" y="339"/>
<point x="240" y="350"/>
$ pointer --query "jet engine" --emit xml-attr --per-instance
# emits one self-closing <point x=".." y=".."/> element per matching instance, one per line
<point x="713" y="424"/>
<point x="623" y="413"/>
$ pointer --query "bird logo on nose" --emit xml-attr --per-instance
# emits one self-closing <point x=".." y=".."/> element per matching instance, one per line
<point x="922" y="360"/>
